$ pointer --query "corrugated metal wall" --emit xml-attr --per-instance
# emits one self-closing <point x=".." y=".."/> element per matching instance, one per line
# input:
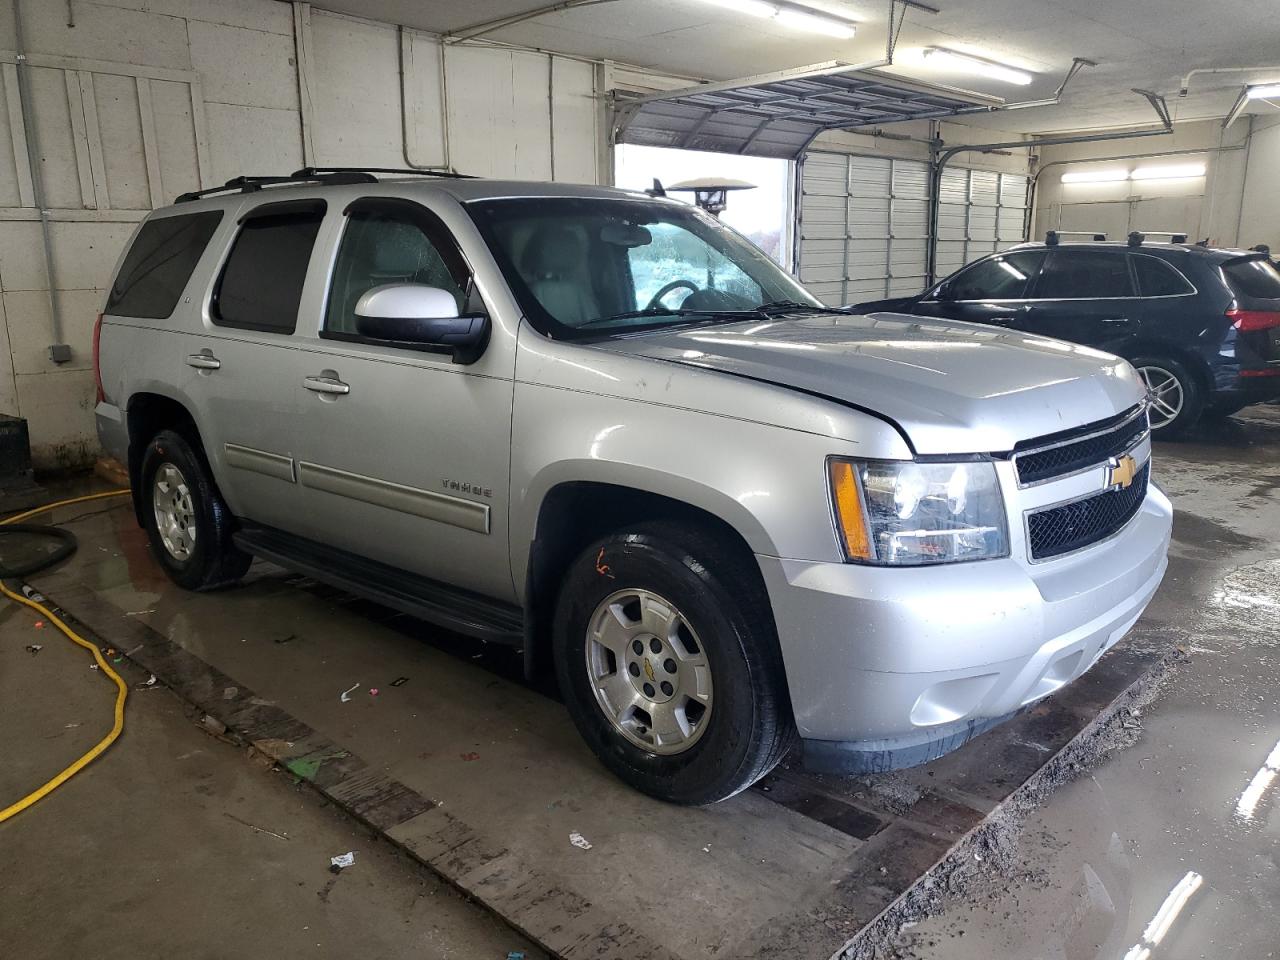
<point x="864" y="223"/>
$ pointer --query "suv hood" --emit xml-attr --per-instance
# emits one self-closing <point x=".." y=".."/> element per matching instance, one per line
<point x="950" y="387"/>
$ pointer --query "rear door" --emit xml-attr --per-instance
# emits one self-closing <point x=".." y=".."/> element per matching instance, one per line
<point x="1086" y="296"/>
<point x="404" y="455"/>
<point x="238" y="368"/>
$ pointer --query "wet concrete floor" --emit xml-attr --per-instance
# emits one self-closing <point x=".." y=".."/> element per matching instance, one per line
<point x="485" y="779"/>
<point x="1171" y="847"/>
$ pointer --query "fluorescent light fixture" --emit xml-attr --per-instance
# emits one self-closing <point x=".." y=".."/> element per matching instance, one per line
<point x="793" y="15"/>
<point x="754" y="8"/>
<point x="1172" y="172"/>
<point x="814" y="23"/>
<point x="1107" y="175"/>
<point x="976" y="65"/>
<point x="1262" y="91"/>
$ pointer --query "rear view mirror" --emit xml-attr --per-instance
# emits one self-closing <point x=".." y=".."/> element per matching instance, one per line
<point x="625" y="235"/>
<point x="416" y="315"/>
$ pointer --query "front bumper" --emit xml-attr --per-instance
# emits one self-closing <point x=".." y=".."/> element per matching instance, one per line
<point x="894" y="667"/>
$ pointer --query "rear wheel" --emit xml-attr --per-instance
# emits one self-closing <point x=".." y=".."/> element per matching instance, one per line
<point x="1176" y="397"/>
<point x="674" y="680"/>
<point x="186" y="520"/>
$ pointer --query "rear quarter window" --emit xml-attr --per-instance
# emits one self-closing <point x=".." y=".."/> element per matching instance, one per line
<point x="1257" y="279"/>
<point x="1156" y="278"/>
<point x="159" y="264"/>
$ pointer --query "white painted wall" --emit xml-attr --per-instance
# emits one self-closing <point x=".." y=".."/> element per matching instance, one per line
<point x="1260" y="210"/>
<point x="136" y="101"/>
<point x="1208" y="206"/>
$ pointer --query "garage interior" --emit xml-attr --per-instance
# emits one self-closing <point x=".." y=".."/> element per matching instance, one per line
<point x="275" y="725"/>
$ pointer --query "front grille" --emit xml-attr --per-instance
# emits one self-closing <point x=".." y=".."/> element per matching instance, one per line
<point x="1060" y="530"/>
<point x="1065" y="455"/>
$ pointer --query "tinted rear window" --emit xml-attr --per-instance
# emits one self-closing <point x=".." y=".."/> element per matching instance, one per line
<point x="1084" y="274"/>
<point x="159" y="264"/>
<point x="1253" y="278"/>
<point x="1159" y="279"/>
<point x="261" y="284"/>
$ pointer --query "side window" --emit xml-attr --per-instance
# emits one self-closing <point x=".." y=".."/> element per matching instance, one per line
<point x="391" y="241"/>
<point x="1156" y="278"/>
<point x="1002" y="277"/>
<point x="1084" y="275"/>
<point x="159" y="264"/>
<point x="261" y="284"/>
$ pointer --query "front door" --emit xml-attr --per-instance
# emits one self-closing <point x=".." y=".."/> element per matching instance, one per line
<point x="403" y="455"/>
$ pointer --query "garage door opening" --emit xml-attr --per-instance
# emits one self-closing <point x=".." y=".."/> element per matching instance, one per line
<point x="762" y="215"/>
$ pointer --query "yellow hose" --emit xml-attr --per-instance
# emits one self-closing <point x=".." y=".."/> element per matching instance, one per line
<point x="122" y="690"/>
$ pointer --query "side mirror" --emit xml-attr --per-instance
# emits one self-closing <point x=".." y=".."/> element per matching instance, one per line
<point x="417" y="316"/>
<point x="943" y="291"/>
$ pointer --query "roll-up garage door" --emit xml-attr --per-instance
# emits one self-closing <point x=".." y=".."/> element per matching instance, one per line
<point x="979" y="212"/>
<point x="864" y="225"/>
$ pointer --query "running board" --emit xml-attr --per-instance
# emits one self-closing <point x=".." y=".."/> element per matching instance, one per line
<point x="441" y="604"/>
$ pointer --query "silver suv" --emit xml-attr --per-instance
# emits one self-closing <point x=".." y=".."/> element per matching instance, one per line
<point x="604" y="428"/>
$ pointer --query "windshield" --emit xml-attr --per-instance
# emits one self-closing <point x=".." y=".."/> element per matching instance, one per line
<point x="591" y="267"/>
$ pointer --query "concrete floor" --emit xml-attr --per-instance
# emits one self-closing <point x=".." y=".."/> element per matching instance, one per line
<point x="152" y="850"/>
<point x="1081" y="878"/>
<point x="1089" y="871"/>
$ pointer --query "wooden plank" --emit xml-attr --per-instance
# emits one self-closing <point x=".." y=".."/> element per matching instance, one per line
<point x="80" y="139"/>
<point x="150" y="149"/>
<point x="93" y="135"/>
<point x="18" y="136"/>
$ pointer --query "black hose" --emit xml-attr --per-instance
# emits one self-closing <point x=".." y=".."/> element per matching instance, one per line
<point x="66" y="546"/>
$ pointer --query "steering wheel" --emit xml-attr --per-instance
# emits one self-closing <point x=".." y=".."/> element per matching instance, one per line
<point x="656" y="300"/>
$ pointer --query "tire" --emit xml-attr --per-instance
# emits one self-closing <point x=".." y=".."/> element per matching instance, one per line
<point x="719" y="634"/>
<point x="1166" y="380"/>
<point x="195" y="548"/>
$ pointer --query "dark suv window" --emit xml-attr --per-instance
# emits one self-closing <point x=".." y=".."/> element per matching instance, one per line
<point x="261" y="284"/>
<point x="159" y="264"/>
<point x="1084" y="274"/>
<point x="1254" y="278"/>
<point x="1002" y="277"/>
<point x="1159" y="279"/>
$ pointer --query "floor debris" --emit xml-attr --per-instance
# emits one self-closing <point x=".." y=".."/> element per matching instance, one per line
<point x="213" y="725"/>
<point x="34" y="648"/>
<point x="399" y="681"/>
<point x="346" y="694"/>
<point x="468" y="757"/>
<point x="229" y="693"/>
<point x="373" y="691"/>
<point x="254" y="827"/>
<point x="147" y="684"/>
<point x="342" y="861"/>
<point x="579" y="841"/>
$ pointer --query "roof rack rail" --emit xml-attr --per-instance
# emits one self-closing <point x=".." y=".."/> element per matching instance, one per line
<point x="251" y="184"/>
<point x="1053" y="237"/>
<point x="1175" y="236"/>
<point x="405" y="171"/>
<point x="327" y="175"/>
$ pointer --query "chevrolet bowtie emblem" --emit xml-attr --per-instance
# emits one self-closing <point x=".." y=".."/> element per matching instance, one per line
<point x="648" y="668"/>
<point x="1120" y="472"/>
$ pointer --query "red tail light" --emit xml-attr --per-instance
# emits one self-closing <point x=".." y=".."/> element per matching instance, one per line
<point x="1247" y="321"/>
<point x="99" y="395"/>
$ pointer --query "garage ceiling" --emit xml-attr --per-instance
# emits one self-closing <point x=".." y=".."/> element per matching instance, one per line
<point x="1141" y="43"/>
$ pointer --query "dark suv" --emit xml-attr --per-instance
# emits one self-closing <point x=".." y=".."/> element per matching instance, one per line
<point x="1201" y="325"/>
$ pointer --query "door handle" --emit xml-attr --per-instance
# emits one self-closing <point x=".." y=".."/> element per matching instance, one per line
<point x="203" y="361"/>
<point x="1115" y="319"/>
<point x="330" y="385"/>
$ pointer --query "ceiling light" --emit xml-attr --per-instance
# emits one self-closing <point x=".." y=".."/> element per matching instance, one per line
<point x="976" y="65"/>
<point x="815" y="23"/>
<point x="755" y="8"/>
<point x="793" y="15"/>
<point x="1262" y="91"/>
<point x="1172" y="172"/>
<point x="1095" y="176"/>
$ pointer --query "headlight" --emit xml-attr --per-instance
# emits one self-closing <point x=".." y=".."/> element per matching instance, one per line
<point x="902" y="513"/>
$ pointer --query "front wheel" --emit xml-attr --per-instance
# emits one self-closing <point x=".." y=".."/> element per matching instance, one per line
<point x="673" y="679"/>
<point x="1176" y="397"/>
<point x="186" y="520"/>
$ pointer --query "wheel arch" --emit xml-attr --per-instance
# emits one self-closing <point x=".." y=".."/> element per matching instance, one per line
<point x="147" y="413"/>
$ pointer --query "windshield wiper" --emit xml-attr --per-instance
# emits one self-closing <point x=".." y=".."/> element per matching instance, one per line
<point x="774" y="307"/>
<point x="672" y="312"/>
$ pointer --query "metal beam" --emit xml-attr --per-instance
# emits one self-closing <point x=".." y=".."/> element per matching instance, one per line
<point x="823" y="69"/>
<point x="1237" y="108"/>
<point x="488" y="26"/>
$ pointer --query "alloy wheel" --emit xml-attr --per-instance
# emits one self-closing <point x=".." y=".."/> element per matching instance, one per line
<point x="649" y="671"/>
<point x="175" y="514"/>
<point x="1166" y="395"/>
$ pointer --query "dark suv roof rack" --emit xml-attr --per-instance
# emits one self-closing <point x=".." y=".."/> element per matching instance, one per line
<point x="319" y="175"/>
<point x="1052" y="237"/>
